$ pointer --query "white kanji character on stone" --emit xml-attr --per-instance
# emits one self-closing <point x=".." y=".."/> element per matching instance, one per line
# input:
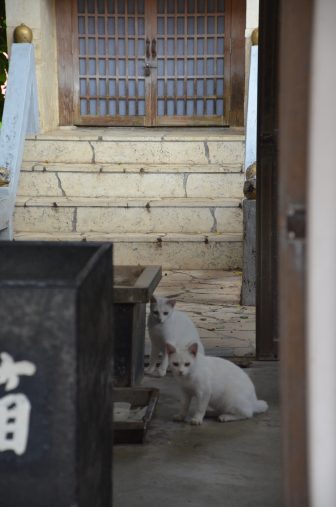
<point x="14" y="423"/>
<point x="10" y="371"/>
<point x="14" y="408"/>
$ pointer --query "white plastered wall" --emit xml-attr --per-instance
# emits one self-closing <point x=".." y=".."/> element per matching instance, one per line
<point x="252" y="22"/>
<point x="39" y="15"/>
<point x="252" y="16"/>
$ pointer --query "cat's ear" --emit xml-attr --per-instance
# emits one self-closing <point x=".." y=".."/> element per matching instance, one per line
<point x="153" y="300"/>
<point x="193" y="349"/>
<point x="171" y="302"/>
<point x="170" y="349"/>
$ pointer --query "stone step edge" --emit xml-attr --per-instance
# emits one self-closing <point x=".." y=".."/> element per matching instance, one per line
<point x="117" y="202"/>
<point x="158" y="238"/>
<point x="137" y="168"/>
<point x="159" y="136"/>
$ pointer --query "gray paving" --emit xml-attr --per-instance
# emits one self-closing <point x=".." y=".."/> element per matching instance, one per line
<point x="211" y="298"/>
<point x="234" y="464"/>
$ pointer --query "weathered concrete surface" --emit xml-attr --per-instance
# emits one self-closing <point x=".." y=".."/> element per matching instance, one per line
<point x="211" y="299"/>
<point x="234" y="464"/>
<point x="105" y="181"/>
<point x="173" y="251"/>
<point x="122" y="215"/>
<point x="138" y="146"/>
<point x="164" y="196"/>
<point x="249" y="253"/>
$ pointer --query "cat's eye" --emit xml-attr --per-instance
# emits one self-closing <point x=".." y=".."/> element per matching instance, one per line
<point x="156" y="312"/>
<point x="186" y="364"/>
<point x="175" y="364"/>
<point x="165" y="313"/>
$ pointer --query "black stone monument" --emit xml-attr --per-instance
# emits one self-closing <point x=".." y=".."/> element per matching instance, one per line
<point x="56" y="370"/>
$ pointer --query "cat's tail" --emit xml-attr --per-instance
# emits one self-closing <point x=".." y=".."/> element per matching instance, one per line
<point x="260" y="406"/>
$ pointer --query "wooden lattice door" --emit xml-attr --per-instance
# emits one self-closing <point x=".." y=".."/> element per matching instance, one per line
<point x="153" y="62"/>
<point x="192" y="43"/>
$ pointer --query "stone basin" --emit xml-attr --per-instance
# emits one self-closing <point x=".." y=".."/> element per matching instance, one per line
<point x="133" y="287"/>
<point x="135" y="284"/>
<point x="56" y="320"/>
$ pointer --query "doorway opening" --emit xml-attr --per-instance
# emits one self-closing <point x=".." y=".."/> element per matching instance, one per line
<point x="152" y="62"/>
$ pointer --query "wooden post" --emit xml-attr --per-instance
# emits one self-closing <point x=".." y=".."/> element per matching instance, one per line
<point x="267" y="159"/>
<point x="294" y="85"/>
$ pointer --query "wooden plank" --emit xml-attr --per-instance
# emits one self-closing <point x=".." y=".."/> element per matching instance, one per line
<point x="75" y="62"/>
<point x="151" y="80"/>
<point x="65" y="61"/>
<point x="110" y="121"/>
<point x="191" y="121"/>
<point x="237" y="85"/>
<point x="126" y="61"/>
<point x="267" y="147"/>
<point x="295" y="76"/>
<point x="117" y="60"/>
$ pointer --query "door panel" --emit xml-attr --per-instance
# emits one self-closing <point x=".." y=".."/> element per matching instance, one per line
<point x="149" y="62"/>
<point x="111" y="46"/>
<point x="192" y="46"/>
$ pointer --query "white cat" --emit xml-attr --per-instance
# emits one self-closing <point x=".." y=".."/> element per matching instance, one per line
<point x="217" y="385"/>
<point x="167" y="325"/>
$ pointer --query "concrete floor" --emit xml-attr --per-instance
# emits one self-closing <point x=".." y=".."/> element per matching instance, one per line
<point x="234" y="464"/>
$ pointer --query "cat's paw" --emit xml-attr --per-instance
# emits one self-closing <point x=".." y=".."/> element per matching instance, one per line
<point x="178" y="418"/>
<point x="161" y="372"/>
<point x="196" y="420"/>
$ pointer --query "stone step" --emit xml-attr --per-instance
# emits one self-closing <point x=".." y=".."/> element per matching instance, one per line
<point x="153" y="146"/>
<point x="172" y="251"/>
<point x="137" y="167"/>
<point x="118" y="215"/>
<point x="131" y="180"/>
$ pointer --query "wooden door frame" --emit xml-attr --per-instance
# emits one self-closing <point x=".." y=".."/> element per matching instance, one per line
<point x="150" y="84"/>
<point x="267" y="161"/>
<point x="282" y="194"/>
<point x="294" y="105"/>
<point x="68" y="84"/>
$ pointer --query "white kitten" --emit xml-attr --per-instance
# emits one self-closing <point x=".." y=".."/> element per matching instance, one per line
<point x="167" y="325"/>
<point x="217" y="384"/>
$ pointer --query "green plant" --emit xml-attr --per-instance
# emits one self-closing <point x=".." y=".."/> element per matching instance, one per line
<point x="3" y="54"/>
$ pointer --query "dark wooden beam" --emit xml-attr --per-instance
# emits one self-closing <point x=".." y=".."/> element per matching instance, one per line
<point x="267" y="160"/>
<point x="237" y="84"/>
<point x="64" y="24"/>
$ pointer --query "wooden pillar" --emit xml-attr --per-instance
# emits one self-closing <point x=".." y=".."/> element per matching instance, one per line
<point x="294" y="86"/>
<point x="267" y="148"/>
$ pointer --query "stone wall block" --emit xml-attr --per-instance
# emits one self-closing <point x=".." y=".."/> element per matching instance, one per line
<point x="249" y="256"/>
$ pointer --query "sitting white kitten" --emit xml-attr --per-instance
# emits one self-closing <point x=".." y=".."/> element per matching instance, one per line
<point x="167" y="325"/>
<point x="217" y="385"/>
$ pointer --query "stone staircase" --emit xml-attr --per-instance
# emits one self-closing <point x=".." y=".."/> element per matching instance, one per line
<point x="163" y="196"/>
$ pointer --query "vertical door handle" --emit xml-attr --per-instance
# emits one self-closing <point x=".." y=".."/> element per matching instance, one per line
<point x="147" y="48"/>
<point x="153" y="48"/>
